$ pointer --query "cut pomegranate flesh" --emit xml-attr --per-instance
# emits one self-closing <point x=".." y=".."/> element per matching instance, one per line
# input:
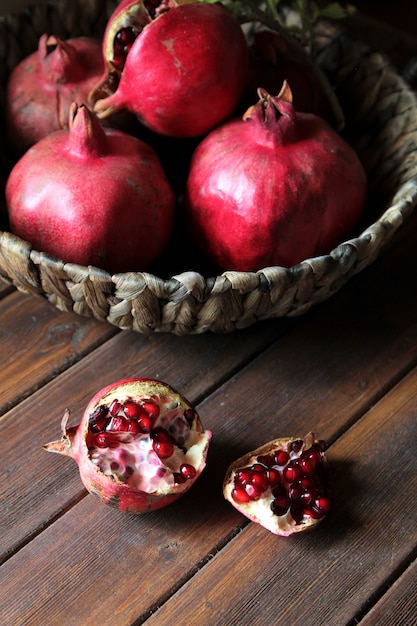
<point x="282" y="485"/>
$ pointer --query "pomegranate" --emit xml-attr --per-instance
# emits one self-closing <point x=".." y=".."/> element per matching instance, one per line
<point x="181" y="68"/>
<point x="42" y="87"/>
<point x="92" y="196"/>
<point x="273" y="188"/>
<point x="139" y="446"/>
<point x="283" y="485"/>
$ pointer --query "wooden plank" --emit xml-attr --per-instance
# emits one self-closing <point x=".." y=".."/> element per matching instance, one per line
<point x="193" y="364"/>
<point x="38" y="342"/>
<point x="302" y="380"/>
<point x="326" y="576"/>
<point x="398" y="605"/>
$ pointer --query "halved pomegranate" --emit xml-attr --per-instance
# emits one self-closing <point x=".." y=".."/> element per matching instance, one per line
<point x="140" y="445"/>
<point x="283" y="485"/>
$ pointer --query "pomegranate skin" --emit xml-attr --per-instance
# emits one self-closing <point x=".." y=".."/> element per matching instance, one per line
<point x="42" y="87"/>
<point x="92" y="196"/>
<point x="184" y="73"/>
<point x="110" y="488"/>
<point x="273" y="188"/>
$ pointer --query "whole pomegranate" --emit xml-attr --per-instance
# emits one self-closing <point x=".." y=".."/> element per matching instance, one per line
<point x="283" y="485"/>
<point x="42" y="87"/>
<point x="139" y="446"/>
<point x="181" y="68"/>
<point x="273" y="188"/>
<point x="92" y="196"/>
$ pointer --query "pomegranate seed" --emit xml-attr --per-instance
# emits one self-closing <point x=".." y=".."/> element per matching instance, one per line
<point x="98" y="419"/>
<point x="313" y="512"/>
<point x="295" y="492"/>
<point x="151" y="408"/>
<point x="188" y="470"/>
<point x="291" y="473"/>
<point x="133" y="427"/>
<point x="118" y="424"/>
<point x="307" y="497"/>
<point x="280" y="505"/>
<point x="296" y="446"/>
<point x="266" y="459"/>
<point x="240" y="495"/>
<point x="281" y="457"/>
<point x="307" y="466"/>
<point x="243" y="476"/>
<point x="162" y="443"/>
<point x="274" y="477"/>
<point x="306" y="483"/>
<point x="258" y="467"/>
<point x="179" y="478"/>
<point x="254" y="491"/>
<point x="145" y="423"/>
<point x="107" y="440"/>
<point x="114" y="466"/>
<point x="259" y="480"/>
<point x="114" y="408"/>
<point x="131" y="409"/>
<point x="189" y="415"/>
<point x="322" y="504"/>
<point x="297" y="513"/>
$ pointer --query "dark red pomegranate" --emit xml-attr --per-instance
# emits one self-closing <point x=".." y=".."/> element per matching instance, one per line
<point x="42" y="87"/>
<point x="139" y="447"/>
<point x="273" y="188"/>
<point x="181" y="68"/>
<point x="92" y="196"/>
<point x="283" y="485"/>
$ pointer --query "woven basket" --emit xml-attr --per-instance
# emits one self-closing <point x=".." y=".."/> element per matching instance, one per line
<point x="381" y="123"/>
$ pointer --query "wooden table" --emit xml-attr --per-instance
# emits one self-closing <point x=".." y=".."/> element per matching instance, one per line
<point x="347" y="370"/>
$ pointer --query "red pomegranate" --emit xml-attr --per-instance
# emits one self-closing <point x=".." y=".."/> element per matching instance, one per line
<point x="42" y="87"/>
<point x="92" y="196"/>
<point x="181" y="68"/>
<point x="273" y="188"/>
<point x="139" y="446"/>
<point x="282" y="485"/>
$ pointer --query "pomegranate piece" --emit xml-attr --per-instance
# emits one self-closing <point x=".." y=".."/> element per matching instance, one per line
<point x="273" y="188"/>
<point x="134" y="469"/>
<point x="283" y="485"/>
<point x="181" y="68"/>
<point x="92" y="196"/>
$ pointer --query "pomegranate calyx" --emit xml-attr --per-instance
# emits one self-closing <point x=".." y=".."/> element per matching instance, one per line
<point x="86" y="136"/>
<point x="65" y="444"/>
<point x="276" y="113"/>
<point x="59" y="60"/>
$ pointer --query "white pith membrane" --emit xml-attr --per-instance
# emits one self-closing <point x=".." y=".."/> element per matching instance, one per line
<point x="259" y="510"/>
<point x="133" y="461"/>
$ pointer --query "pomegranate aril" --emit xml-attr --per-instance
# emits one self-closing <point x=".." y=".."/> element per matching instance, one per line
<point x="243" y="476"/>
<point x="188" y="470"/>
<point x="280" y="505"/>
<point x="295" y="492"/>
<point x="131" y="409"/>
<point x="107" y="440"/>
<point x="296" y="446"/>
<point x="297" y="513"/>
<point x="240" y="495"/>
<point x="281" y="457"/>
<point x="118" y="424"/>
<point x="273" y="476"/>
<point x="98" y="419"/>
<point x="114" y="408"/>
<point x="266" y="459"/>
<point x="279" y="490"/>
<point x="151" y="409"/>
<point x="162" y="443"/>
<point x="189" y="415"/>
<point x="291" y="473"/>
<point x="145" y="423"/>
<point x="179" y="478"/>
<point x="322" y="503"/>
